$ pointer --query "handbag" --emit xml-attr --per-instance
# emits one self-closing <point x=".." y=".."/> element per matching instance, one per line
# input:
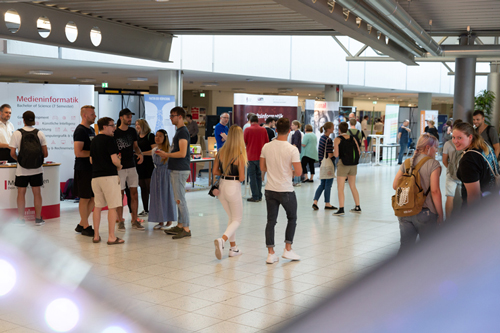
<point x="214" y="190"/>
<point x="495" y="172"/>
<point x="326" y="169"/>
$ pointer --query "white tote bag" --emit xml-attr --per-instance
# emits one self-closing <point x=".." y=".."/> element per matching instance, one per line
<point x="326" y="169"/>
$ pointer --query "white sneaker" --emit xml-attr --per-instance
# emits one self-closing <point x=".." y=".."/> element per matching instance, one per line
<point x="219" y="248"/>
<point x="158" y="226"/>
<point x="234" y="252"/>
<point x="272" y="258"/>
<point x="143" y="214"/>
<point x="165" y="227"/>
<point x="291" y="255"/>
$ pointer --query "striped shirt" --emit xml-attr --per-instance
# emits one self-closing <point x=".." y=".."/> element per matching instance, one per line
<point x="324" y="140"/>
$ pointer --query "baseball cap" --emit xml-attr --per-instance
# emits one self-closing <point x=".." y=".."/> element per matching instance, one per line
<point x="29" y="116"/>
<point x="125" y="112"/>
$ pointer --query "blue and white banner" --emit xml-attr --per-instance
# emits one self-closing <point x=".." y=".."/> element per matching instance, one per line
<point x="158" y="113"/>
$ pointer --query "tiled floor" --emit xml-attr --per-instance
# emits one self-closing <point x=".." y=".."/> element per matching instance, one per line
<point x="183" y="286"/>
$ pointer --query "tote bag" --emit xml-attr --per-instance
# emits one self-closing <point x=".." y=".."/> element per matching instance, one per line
<point x="326" y="169"/>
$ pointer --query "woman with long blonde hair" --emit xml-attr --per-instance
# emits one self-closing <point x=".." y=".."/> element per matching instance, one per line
<point x="477" y="164"/>
<point x="163" y="207"/>
<point x="230" y="165"/>
<point x="431" y="214"/>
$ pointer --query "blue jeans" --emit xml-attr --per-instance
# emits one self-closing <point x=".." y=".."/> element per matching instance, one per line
<point x="255" y="176"/>
<point x="289" y="202"/>
<point x="403" y="145"/>
<point x="422" y="224"/>
<point x="326" y="185"/>
<point x="178" y="180"/>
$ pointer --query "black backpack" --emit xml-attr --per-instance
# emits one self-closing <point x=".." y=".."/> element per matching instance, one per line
<point x="355" y="136"/>
<point x="68" y="189"/>
<point x="30" y="153"/>
<point x="348" y="150"/>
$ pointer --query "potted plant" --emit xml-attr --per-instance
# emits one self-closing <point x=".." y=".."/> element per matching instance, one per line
<point x="484" y="102"/>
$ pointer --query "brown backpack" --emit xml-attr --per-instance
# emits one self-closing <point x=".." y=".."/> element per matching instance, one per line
<point x="410" y="196"/>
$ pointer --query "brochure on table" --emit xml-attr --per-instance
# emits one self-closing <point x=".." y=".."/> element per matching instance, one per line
<point x="158" y="113"/>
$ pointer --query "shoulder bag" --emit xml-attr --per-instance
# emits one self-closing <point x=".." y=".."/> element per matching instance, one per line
<point x="326" y="169"/>
<point x="494" y="171"/>
<point x="214" y="190"/>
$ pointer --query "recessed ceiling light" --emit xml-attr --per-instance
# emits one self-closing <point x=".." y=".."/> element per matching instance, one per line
<point x="87" y="80"/>
<point x="210" y="84"/>
<point x="137" y="79"/>
<point x="40" y="72"/>
<point x="238" y="89"/>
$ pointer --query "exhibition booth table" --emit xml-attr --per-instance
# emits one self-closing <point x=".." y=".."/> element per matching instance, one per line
<point x="50" y="192"/>
<point x="377" y="138"/>
<point x="194" y="161"/>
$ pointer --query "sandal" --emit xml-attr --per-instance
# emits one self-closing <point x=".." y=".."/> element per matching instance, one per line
<point x="139" y="220"/>
<point x="158" y="226"/>
<point x="117" y="241"/>
<point x="96" y="241"/>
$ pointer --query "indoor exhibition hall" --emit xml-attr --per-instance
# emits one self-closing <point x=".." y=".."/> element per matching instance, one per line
<point x="249" y="166"/>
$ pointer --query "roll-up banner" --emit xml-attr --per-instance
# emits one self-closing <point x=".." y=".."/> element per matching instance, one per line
<point x="264" y="106"/>
<point x="158" y="113"/>
<point x="391" y="123"/>
<point x="57" y="113"/>
<point x="320" y="112"/>
<point x="425" y="116"/>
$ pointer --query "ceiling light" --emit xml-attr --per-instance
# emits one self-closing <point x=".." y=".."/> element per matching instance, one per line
<point x="285" y="89"/>
<point x="238" y="89"/>
<point x="210" y="84"/>
<point x="137" y="79"/>
<point x="86" y="80"/>
<point x="40" y="72"/>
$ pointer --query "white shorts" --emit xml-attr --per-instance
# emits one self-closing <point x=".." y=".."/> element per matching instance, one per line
<point x="451" y="186"/>
<point x="128" y="177"/>
<point x="107" y="192"/>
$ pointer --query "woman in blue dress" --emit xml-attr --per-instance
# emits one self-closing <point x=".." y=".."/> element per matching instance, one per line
<point x="162" y="207"/>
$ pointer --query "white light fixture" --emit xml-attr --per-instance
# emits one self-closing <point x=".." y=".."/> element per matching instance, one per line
<point x="40" y="72"/>
<point x="210" y="84"/>
<point x="138" y="79"/>
<point x="86" y="80"/>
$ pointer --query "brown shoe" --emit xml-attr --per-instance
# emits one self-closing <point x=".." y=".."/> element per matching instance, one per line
<point x="182" y="234"/>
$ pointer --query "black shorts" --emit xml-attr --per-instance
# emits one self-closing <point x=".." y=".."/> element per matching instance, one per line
<point x="82" y="184"/>
<point x="34" y="180"/>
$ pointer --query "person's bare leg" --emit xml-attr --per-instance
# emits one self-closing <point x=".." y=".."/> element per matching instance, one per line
<point x="449" y="206"/>
<point x="21" y="202"/>
<point x="119" y="210"/>
<point x="97" y="221"/>
<point x="37" y="199"/>
<point x="270" y="250"/>
<point x="83" y="209"/>
<point x="340" y="188"/>
<point x="288" y="246"/>
<point x="134" y="202"/>
<point x="111" y="225"/>
<point x="354" y="190"/>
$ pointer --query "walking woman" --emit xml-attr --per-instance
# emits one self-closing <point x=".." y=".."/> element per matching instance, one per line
<point x="146" y="142"/>
<point x="163" y="207"/>
<point x="431" y="129"/>
<point x="325" y="151"/>
<point x="230" y="164"/>
<point x="309" y="153"/>
<point x="477" y="164"/>
<point x="423" y="223"/>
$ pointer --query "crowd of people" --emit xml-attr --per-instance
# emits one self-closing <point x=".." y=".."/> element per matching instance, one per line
<point x="115" y="162"/>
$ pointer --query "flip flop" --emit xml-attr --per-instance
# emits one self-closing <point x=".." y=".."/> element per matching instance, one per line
<point x="140" y="220"/>
<point x="117" y="241"/>
<point x="98" y="241"/>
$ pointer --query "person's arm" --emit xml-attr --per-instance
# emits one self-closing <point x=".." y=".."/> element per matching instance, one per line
<point x="396" y="179"/>
<point x="399" y="135"/>
<point x="304" y="140"/>
<point x="116" y="161"/>
<point x="473" y="191"/>
<point x="436" y="193"/>
<point x="445" y="160"/>
<point x="140" y="156"/>
<point x="223" y="136"/>
<point x="45" y="151"/>
<point x="216" y="170"/>
<point x="241" y="169"/>
<point x="263" y="166"/>
<point x="4" y="145"/>
<point x="79" y="152"/>
<point x="13" y="153"/>
<point x="183" y="143"/>
<point x="335" y="148"/>
<point x="297" y="169"/>
<point x="90" y="157"/>
<point x="496" y="147"/>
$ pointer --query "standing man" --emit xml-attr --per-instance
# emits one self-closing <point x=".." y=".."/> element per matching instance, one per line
<point x="82" y="137"/>
<point x="221" y="130"/>
<point x="249" y="122"/>
<point x="403" y="137"/>
<point x="105" y="179"/>
<point x="353" y="116"/>
<point x="179" y="164"/>
<point x="126" y="140"/>
<point x="32" y="149"/>
<point x="255" y="138"/>
<point x="193" y="129"/>
<point x="488" y="132"/>
<point x="282" y="161"/>
<point x="270" y="123"/>
<point x="6" y="131"/>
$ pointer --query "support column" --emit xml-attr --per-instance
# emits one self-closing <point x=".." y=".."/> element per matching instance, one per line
<point x="170" y="83"/>
<point x="465" y="83"/>
<point x="334" y="93"/>
<point x="424" y="101"/>
<point x="494" y="86"/>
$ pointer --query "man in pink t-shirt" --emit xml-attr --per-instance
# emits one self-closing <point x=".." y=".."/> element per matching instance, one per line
<point x="255" y="138"/>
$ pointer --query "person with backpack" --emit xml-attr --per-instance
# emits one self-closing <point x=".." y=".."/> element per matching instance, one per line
<point x="325" y="151"/>
<point x="346" y="148"/>
<point x="451" y="158"/>
<point x="31" y="147"/>
<point x="487" y="132"/>
<point x="354" y="132"/>
<point x="417" y="202"/>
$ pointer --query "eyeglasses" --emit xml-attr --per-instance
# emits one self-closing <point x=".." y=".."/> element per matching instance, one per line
<point x="173" y="115"/>
<point x="112" y="125"/>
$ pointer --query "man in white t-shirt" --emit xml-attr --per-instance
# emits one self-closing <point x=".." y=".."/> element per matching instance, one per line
<point x="6" y="131"/>
<point x="358" y="125"/>
<point x="281" y="160"/>
<point x="29" y="164"/>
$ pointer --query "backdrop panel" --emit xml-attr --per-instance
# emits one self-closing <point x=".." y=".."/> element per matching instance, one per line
<point x="264" y="106"/>
<point x="319" y="112"/>
<point x="158" y="113"/>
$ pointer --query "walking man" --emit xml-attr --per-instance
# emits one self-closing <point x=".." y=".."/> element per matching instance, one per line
<point x="126" y="140"/>
<point x="403" y="137"/>
<point x="282" y="161"/>
<point x="82" y="137"/>
<point x="105" y="180"/>
<point x="6" y="131"/>
<point x="31" y="147"/>
<point x="488" y="132"/>
<point x="255" y="138"/>
<point x="221" y="130"/>
<point x="179" y="164"/>
<point x="193" y="129"/>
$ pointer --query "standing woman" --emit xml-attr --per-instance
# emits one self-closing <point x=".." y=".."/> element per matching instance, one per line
<point x="309" y="153"/>
<point x="146" y="142"/>
<point x="296" y="140"/>
<point x="431" y="129"/>
<point x="163" y="207"/>
<point x="431" y="214"/>
<point x="230" y="164"/>
<point x="325" y="151"/>
<point x="475" y="166"/>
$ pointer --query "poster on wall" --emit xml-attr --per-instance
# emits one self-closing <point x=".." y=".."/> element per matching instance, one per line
<point x="264" y="106"/>
<point x="195" y="113"/>
<point x="320" y="112"/>
<point x="391" y="123"/>
<point x="425" y="116"/>
<point x="57" y="113"/>
<point x="158" y="113"/>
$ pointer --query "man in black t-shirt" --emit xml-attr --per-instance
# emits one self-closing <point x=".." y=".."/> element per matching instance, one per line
<point x="105" y="179"/>
<point x="179" y="161"/>
<point x="126" y="140"/>
<point x="82" y="185"/>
